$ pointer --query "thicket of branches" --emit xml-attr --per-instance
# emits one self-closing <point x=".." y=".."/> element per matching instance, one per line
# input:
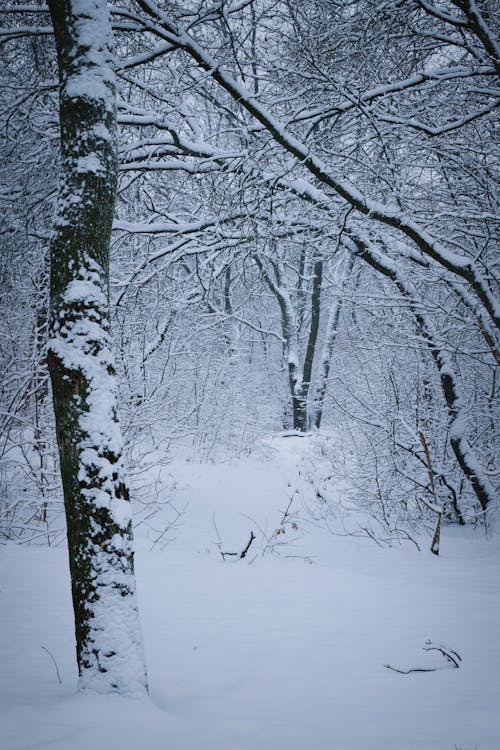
<point x="306" y="236"/>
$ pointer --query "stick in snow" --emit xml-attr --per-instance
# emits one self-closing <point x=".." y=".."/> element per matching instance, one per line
<point x="55" y="664"/>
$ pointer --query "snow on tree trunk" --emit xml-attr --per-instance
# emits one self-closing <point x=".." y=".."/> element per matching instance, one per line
<point x="330" y="338"/>
<point x="291" y="341"/>
<point x="290" y="335"/>
<point x="108" y="637"/>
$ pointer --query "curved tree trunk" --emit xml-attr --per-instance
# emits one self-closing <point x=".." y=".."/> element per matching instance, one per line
<point x="108" y="638"/>
<point x="291" y="345"/>
<point x="450" y="387"/>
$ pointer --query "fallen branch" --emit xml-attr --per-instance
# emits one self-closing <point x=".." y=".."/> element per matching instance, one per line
<point x="451" y="656"/>
<point x="448" y="653"/>
<point x="241" y="555"/>
<point x="407" y="671"/>
<point x="244" y="552"/>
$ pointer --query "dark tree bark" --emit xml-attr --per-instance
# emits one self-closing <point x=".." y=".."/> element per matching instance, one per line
<point x="96" y="496"/>
<point x="313" y="329"/>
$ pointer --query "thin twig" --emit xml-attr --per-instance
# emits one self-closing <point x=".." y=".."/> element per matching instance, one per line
<point x="452" y="656"/>
<point x="407" y="671"/>
<point x="55" y="664"/>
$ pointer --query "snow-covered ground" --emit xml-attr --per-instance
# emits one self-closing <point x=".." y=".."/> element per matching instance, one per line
<point x="284" y="649"/>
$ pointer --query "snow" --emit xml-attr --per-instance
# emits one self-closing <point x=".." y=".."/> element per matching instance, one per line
<point x="285" y="649"/>
<point x="114" y="630"/>
<point x="83" y="344"/>
<point x="89" y="163"/>
<point x="94" y="77"/>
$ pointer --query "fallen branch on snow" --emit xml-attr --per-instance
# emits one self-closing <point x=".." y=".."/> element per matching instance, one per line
<point x="243" y="552"/>
<point x="451" y="656"/>
<point x="241" y="555"/>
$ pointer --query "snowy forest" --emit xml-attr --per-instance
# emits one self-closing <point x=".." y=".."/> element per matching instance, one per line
<point x="249" y="351"/>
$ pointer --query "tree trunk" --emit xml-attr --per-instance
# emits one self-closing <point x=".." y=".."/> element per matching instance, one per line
<point x="313" y="331"/>
<point x="464" y="453"/>
<point x="99" y="525"/>
<point x="291" y="344"/>
<point x="330" y="338"/>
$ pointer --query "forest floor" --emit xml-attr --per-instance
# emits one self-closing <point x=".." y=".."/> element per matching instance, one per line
<point x="282" y="650"/>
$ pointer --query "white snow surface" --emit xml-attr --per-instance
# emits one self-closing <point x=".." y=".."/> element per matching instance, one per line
<point x="282" y="650"/>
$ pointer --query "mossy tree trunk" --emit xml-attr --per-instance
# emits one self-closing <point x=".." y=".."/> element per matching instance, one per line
<point x="99" y="525"/>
